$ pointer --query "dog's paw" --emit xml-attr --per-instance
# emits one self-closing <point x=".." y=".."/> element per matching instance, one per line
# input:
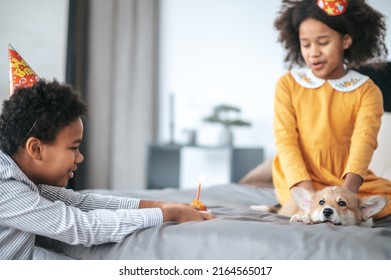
<point x="300" y="219"/>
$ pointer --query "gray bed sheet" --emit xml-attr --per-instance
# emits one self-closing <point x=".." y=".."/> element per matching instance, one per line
<point x="237" y="234"/>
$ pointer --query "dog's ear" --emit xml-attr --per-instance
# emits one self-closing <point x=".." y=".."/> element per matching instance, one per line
<point x="303" y="198"/>
<point x="371" y="205"/>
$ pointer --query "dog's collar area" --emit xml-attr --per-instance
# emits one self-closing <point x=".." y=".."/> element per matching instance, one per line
<point x="325" y="222"/>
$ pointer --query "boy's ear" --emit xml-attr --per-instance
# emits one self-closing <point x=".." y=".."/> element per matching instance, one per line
<point x="347" y="41"/>
<point x="34" y="148"/>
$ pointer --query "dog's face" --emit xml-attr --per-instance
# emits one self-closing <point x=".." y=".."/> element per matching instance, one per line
<point x="337" y="205"/>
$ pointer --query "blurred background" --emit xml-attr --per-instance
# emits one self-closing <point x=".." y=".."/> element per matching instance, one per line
<point x="151" y="72"/>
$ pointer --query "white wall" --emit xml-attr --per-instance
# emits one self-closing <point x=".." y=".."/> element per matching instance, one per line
<point x="38" y="31"/>
<point x="223" y="51"/>
<point x="215" y="51"/>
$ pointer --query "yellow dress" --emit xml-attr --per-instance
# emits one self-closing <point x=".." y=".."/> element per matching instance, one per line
<point x="324" y="130"/>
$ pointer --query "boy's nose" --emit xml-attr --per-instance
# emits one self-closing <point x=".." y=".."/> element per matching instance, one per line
<point x="79" y="158"/>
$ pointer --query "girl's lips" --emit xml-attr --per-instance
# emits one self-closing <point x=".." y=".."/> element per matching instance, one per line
<point x="317" y="65"/>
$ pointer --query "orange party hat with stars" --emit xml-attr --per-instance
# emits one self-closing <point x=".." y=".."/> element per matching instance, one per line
<point x="21" y="74"/>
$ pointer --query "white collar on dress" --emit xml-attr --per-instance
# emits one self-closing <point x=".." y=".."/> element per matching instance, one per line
<point x="351" y="81"/>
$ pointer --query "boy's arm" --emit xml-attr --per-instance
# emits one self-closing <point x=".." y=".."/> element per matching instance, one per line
<point x="25" y="210"/>
<point x="88" y="201"/>
<point x="171" y="211"/>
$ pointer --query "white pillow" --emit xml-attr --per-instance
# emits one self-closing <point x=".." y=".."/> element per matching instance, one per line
<point x="381" y="160"/>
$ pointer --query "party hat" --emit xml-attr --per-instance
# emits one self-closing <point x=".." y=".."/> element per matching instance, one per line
<point x="21" y="74"/>
<point x="333" y="7"/>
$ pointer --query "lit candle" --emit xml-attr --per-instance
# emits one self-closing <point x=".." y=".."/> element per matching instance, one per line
<point x="196" y="203"/>
<point x="198" y="191"/>
<point x="199" y="187"/>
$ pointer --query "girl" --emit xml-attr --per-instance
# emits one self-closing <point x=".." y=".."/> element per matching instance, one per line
<point x="326" y="116"/>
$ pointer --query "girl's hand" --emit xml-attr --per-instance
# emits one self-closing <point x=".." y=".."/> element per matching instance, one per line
<point x="306" y="185"/>
<point x="352" y="182"/>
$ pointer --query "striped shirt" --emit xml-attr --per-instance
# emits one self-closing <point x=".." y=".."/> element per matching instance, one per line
<point x="27" y="210"/>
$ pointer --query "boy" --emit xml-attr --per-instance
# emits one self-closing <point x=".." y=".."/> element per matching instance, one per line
<point x="40" y="133"/>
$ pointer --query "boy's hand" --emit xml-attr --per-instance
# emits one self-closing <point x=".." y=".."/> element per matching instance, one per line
<point x="180" y="212"/>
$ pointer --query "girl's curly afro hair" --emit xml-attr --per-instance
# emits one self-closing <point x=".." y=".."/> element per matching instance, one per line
<point x="40" y="111"/>
<point x="364" y="24"/>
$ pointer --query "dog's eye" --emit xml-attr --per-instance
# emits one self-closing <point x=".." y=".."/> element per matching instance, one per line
<point x="342" y="203"/>
<point x="321" y="202"/>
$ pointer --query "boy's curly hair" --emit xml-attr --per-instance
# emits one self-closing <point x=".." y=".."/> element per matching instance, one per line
<point x="40" y="111"/>
<point x="365" y="25"/>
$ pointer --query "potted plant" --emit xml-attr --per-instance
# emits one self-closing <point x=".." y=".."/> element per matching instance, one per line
<point x="228" y="116"/>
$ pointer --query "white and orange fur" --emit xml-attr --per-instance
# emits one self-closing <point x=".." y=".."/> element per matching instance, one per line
<point x="333" y="205"/>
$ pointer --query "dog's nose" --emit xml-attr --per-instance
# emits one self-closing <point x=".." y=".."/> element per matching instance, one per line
<point x="327" y="212"/>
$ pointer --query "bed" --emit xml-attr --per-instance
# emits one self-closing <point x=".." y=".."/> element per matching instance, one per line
<point x="239" y="233"/>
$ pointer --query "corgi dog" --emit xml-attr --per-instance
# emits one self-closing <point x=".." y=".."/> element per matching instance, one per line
<point x="332" y="205"/>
